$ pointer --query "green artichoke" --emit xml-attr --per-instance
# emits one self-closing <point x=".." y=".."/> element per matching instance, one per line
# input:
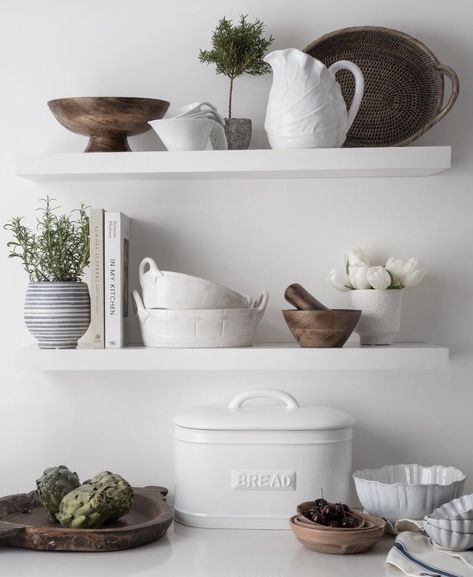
<point x="55" y="483"/>
<point x="87" y="507"/>
<point x="118" y="491"/>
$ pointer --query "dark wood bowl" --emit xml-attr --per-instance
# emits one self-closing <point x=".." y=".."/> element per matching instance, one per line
<point x="25" y="523"/>
<point x="322" y="329"/>
<point x="107" y="121"/>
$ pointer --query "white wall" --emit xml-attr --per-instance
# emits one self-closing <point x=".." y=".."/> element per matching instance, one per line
<point x="248" y="235"/>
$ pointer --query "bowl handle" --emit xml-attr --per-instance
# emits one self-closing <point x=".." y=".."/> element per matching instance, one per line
<point x="260" y="304"/>
<point x="287" y="399"/>
<point x="139" y="307"/>
<point x="153" y="269"/>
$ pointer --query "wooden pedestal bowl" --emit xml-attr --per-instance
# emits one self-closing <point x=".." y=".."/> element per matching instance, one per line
<point x="322" y="328"/>
<point x="107" y="121"/>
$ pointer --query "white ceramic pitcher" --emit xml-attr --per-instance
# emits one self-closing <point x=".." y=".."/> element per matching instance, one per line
<point x="306" y="108"/>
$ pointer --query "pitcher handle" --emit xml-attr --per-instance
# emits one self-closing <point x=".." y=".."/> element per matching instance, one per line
<point x="220" y="138"/>
<point x="153" y="268"/>
<point x="359" y="86"/>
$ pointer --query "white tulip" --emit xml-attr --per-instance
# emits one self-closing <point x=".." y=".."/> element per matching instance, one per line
<point x="379" y="278"/>
<point x="406" y="273"/>
<point x="359" y="276"/>
<point x="339" y="279"/>
<point x="356" y="257"/>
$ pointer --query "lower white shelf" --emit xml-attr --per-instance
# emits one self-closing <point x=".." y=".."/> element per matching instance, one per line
<point x="187" y="552"/>
<point x="275" y="356"/>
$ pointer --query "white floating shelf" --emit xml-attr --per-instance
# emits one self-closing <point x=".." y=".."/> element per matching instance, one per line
<point x="213" y="164"/>
<point x="278" y="357"/>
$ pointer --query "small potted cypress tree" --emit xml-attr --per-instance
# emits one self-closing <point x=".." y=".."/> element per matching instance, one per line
<point x="238" y="49"/>
<point x="54" y="254"/>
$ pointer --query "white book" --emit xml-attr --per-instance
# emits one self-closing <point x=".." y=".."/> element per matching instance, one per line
<point x="117" y="247"/>
<point x="97" y="290"/>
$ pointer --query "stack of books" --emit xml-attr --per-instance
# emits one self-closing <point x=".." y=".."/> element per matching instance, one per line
<point x="109" y="292"/>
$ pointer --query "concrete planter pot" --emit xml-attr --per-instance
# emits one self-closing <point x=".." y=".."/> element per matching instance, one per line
<point x="381" y="315"/>
<point x="57" y="314"/>
<point x="238" y="132"/>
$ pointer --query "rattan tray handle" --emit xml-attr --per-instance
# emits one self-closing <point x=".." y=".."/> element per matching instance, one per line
<point x="451" y="74"/>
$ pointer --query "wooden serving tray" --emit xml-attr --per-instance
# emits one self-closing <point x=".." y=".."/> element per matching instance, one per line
<point x="25" y="523"/>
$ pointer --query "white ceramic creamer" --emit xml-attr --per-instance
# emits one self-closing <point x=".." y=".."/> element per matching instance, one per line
<point x="249" y="465"/>
<point x="306" y="108"/>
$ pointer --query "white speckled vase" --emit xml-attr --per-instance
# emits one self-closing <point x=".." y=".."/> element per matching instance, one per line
<point x="381" y="315"/>
<point x="57" y="314"/>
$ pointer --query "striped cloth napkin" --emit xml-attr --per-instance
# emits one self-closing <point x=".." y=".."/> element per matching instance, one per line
<point x="413" y="554"/>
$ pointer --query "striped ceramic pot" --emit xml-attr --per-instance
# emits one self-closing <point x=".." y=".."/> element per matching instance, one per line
<point x="57" y="314"/>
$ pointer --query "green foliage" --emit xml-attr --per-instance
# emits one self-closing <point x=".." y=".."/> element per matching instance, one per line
<point x="58" y="250"/>
<point x="238" y="49"/>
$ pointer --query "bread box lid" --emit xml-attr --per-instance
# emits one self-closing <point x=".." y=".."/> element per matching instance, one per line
<point x="290" y="416"/>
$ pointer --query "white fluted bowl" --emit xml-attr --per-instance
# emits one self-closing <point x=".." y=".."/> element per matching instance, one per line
<point x="458" y="509"/>
<point x="457" y="525"/>
<point x="451" y="540"/>
<point x="407" y="491"/>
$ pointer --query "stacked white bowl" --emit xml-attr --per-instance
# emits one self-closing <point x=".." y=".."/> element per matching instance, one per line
<point x="451" y="525"/>
<point x="180" y="310"/>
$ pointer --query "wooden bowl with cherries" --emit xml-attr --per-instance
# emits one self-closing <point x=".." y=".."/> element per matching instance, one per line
<point x="335" y="528"/>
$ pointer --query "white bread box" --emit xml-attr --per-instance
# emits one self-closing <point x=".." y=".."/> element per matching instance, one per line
<point x="250" y="465"/>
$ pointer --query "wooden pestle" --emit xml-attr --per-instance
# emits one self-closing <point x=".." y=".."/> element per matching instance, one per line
<point x="302" y="299"/>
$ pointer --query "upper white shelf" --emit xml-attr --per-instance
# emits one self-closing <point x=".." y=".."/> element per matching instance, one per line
<point x="213" y="164"/>
<point x="277" y="356"/>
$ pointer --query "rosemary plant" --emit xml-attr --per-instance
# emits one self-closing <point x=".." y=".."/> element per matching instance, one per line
<point x="58" y="250"/>
<point x="238" y="49"/>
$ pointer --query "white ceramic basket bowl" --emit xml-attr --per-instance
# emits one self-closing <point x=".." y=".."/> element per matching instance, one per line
<point x="407" y="491"/>
<point x="164" y="289"/>
<point x="202" y="328"/>
<point x="460" y="509"/>
<point x="450" y="540"/>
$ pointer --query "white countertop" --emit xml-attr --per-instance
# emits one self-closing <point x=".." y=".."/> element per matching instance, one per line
<point x="187" y="552"/>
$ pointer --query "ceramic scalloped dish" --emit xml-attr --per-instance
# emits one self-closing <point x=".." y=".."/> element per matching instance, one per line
<point x="407" y="491"/>
<point x="458" y="509"/>
<point x="449" y="527"/>
<point x="451" y="540"/>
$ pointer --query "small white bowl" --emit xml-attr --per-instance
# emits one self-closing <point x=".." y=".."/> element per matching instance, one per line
<point x="460" y="509"/>
<point x="451" y="540"/>
<point x="407" y="491"/>
<point x="457" y="525"/>
<point x="164" y="289"/>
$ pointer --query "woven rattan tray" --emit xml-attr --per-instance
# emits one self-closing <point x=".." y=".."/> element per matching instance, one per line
<point x="404" y="83"/>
